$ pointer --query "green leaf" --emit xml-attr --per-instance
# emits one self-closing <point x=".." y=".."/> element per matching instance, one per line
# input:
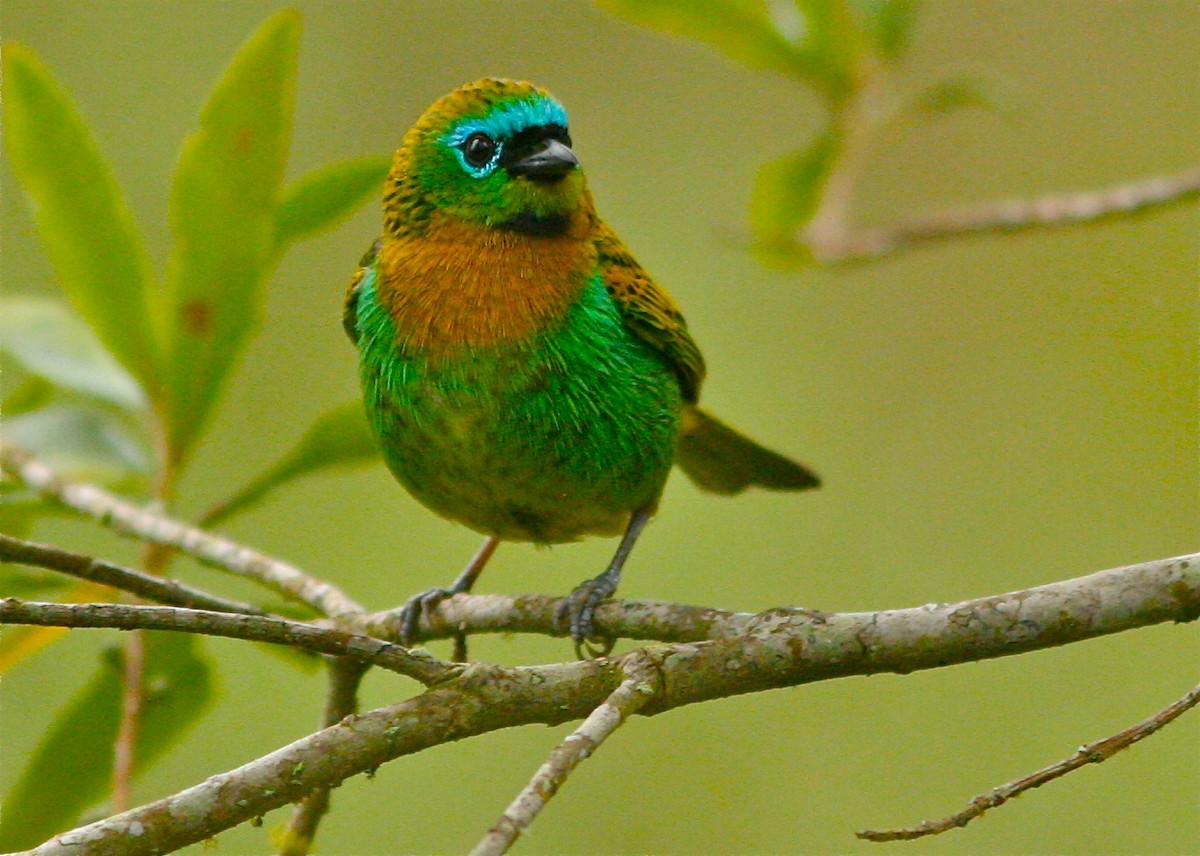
<point x="889" y="24"/>
<point x="222" y="207"/>
<point x="812" y="40"/>
<point x="827" y="43"/>
<point x="27" y="583"/>
<point x="19" y="510"/>
<point x="50" y="341"/>
<point x="786" y="191"/>
<point x="89" y="233"/>
<point x="82" y="443"/>
<point x="29" y="393"/>
<point x="71" y="769"/>
<point x="326" y="195"/>
<point x="340" y="437"/>
<point x="743" y="30"/>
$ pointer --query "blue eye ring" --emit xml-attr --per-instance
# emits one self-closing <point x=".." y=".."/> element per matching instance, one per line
<point x="478" y="153"/>
<point x="479" y="149"/>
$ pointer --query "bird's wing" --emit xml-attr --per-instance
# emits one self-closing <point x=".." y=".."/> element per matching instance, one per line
<point x="350" y="306"/>
<point x="649" y="311"/>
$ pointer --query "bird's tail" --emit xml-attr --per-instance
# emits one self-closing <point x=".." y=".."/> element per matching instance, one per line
<point x="720" y="460"/>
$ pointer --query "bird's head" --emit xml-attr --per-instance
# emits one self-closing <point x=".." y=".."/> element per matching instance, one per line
<point x="495" y="153"/>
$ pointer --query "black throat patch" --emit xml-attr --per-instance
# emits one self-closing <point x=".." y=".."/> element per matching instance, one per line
<point x="542" y="226"/>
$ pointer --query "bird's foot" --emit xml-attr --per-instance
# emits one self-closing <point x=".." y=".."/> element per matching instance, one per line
<point x="416" y="606"/>
<point x="577" y="612"/>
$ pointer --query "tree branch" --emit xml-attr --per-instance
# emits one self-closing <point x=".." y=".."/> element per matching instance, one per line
<point x="159" y="589"/>
<point x="1092" y="753"/>
<point x="155" y="528"/>
<point x="777" y="648"/>
<point x="638" y="687"/>
<point x="1013" y="215"/>
<point x="418" y="665"/>
<point x="1104" y="602"/>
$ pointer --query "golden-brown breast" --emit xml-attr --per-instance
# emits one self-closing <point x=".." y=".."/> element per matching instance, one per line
<point x="460" y="285"/>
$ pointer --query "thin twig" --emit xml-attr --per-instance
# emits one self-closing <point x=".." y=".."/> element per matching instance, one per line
<point x="638" y="687"/>
<point x="418" y="665"/>
<point x="345" y="675"/>
<point x="133" y="670"/>
<point x="1092" y="753"/>
<point x="158" y="529"/>
<point x="133" y="682"/>
<point x="1050" y="211"/>
<point x="777" y="649"/>
<point x="158" y="589"/>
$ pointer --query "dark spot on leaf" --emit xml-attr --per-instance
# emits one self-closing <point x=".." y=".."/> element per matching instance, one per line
<point x="197" y="317"/>
<point x="244" y="139"/>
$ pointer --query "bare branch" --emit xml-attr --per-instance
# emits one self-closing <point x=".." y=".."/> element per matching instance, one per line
<point x="637" y="688"/>
<point x="155" y="528"/>
<point x="1092" y="753"/>
<point x="418" y="665"/>
<point x="775" y="649"/>
<point x="1050" y="211"/>
<point x="159" y="589"/>
<point x="535" y="613"/>
<point x="1104" y="602"/>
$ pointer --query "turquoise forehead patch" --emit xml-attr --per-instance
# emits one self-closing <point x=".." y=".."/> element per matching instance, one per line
<point x="506" y="120"/>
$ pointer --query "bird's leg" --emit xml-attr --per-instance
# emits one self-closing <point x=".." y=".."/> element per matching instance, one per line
<point x="579" y="607"/>
<point x="410" y="613"/>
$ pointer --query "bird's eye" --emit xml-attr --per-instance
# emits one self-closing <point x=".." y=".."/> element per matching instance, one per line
<point x="478" y="149"/>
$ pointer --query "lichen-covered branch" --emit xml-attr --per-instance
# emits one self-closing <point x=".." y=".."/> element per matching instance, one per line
<point x="777" y="648"/>
<point x="418" y="665"/>
<point x="154" y="528"/>
<point x="1104" y="602"/>
<point x="1092" y="753"/>
<point x="639" y="686"/>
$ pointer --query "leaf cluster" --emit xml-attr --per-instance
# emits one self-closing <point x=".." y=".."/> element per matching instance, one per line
<point x="117" y="385"/>
<point x="843" y="51"/>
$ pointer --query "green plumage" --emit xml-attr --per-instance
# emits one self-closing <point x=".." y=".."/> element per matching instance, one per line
<point x="545" y="440"/>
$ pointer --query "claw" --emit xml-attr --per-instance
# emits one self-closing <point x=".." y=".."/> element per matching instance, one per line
<point x="410" y="613"/>
<point x="578" y="609"/>
<point x="577" y="613"/>
<point x="414" y="607"/>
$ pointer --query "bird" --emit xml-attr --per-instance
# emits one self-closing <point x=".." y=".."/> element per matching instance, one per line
<point x="523" y="374"/>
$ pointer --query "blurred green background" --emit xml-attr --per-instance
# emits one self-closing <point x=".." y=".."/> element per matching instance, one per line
<point x="987" y="415"/>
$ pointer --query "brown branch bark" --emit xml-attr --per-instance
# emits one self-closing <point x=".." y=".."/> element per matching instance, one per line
<point x="158" y="589"/>
<point x="1163" y="589"/>
<point x="639" y="686"/>
<point x="777" y="648"/>
<point x="418" y="665"/>
<point x="133" y="670"/>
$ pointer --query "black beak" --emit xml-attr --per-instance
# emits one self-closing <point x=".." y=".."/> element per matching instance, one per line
<point x="552" y="160"/>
